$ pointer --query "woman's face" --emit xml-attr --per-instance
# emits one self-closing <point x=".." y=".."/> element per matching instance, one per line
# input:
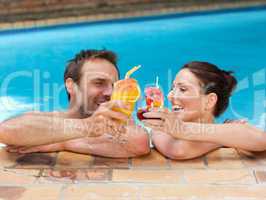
<point x="187" y="97"/>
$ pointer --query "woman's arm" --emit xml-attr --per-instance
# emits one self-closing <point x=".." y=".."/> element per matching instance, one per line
<point x="241" y="136"/>
<point x="180" y="149"/>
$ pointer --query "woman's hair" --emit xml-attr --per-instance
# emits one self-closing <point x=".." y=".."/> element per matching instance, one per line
<point x="214" y="80"/>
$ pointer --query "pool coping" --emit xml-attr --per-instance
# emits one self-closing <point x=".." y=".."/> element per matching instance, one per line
<point x="43" y="23"/>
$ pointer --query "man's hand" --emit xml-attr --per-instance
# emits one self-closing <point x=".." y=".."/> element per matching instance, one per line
<point x="41" y="148"/>
<point x="106" y="120"/>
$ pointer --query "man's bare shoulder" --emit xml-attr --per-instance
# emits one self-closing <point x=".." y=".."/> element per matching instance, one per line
<point x="49" y="114"/>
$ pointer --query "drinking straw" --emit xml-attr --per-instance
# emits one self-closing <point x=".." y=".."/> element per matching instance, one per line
<point x="132" y="71"/>
<point x="157" y="82"/>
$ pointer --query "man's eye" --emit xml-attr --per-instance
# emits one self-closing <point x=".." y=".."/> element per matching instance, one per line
<point x="98" y="83"/>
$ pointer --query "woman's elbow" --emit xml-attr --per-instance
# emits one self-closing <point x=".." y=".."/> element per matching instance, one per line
<point x="177" y="152"/>
<point x="141" y="145"/>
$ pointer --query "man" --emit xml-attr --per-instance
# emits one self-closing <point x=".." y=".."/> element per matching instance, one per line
<point x="89" y="126"/>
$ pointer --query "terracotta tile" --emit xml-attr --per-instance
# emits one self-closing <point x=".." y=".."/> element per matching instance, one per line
<point x="102" y="162"/>
<point x="74" y="175"/>
<point x="259" y="160"/>
<point x="12" y="178"/>
<point x="11" y="193"/>
<point x="147" y="176"/>
<point x="219" y="177"/>
<point x="152" y="160"/>
<point x="36" y="161"/>
<point x="224" y="158"/>
<point x="261" y="176"/>
<point x="187" y="164"/>
<point x="73" y="160"/>
<point x="210" y="192"/>
<point x="101" y="191"/>
<point x="95" y="175"/>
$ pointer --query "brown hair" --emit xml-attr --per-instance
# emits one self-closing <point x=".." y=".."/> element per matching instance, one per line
<point x="73" y="69"/>
<point x="214" y="80"/>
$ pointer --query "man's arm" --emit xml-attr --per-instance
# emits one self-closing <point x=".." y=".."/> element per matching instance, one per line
<point x="181" y="149"/>
<point x="37" y="129"/>
<point x="133" y="143"/>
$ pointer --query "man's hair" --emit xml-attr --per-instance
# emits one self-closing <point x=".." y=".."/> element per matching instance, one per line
<point x="73" y="69"/>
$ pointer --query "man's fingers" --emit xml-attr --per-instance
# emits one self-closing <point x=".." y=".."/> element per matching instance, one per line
<point x="115" y="103"/>
<point x="29" y="149"/>
<point x="114" y="115"/>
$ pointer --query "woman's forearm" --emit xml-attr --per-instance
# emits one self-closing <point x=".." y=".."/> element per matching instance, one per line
<point x="232" y="135"/>
<point x="31" y="129"/>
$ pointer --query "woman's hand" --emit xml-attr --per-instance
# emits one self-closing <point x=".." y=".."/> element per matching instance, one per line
<point x="164" y="121"/>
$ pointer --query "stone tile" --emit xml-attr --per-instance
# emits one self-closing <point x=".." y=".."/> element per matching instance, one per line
<point x="147" y="176"/>
<point x="198" y="192"/>
<point x="51" y="192"/>
<point x="224" y="158"/>
<point x="258" y="161"/>
<point x="7" y="159"/>
<point x="152" y="160"/>
<point x="74" y="175"/>
<point x="27" y="172"/>
<point x="73" y="160"/>
<point x="219" y="177"/>
<point x="187" y="164"/>
<point x="101" y="191"/>
<point x="261" y="176"/>
<point x="11" y="193"/>
<point x="12" y="178"/>
<point x="36" y="161"/>
<point x="102" y="162"/>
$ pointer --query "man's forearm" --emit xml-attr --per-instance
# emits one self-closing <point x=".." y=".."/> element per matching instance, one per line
<point x="35" y="129"/>
<point x="133" y="142"/>
<point x="232" y="135"/>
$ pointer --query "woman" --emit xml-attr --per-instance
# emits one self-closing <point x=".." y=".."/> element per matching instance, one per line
<point x="200" y="92"/>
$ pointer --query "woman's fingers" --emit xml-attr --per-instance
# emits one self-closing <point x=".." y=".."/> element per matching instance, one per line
<point x="155" y="115"/>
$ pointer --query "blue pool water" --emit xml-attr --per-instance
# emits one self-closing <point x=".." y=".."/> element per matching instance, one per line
<point x="234" y="40"/>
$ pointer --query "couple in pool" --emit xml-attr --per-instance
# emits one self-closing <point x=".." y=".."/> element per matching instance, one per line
<point x="200" y="92"/>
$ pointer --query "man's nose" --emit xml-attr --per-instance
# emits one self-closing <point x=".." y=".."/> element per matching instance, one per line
<point x="108" y="90"/>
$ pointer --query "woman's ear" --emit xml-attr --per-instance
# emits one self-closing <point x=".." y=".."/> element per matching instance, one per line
<point x="211" y="101"/>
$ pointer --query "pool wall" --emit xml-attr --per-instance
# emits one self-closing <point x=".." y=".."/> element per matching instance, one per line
<point x="19" y="14"/>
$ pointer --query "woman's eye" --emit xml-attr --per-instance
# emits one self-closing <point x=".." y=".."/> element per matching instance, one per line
<point x="182" y="89"/>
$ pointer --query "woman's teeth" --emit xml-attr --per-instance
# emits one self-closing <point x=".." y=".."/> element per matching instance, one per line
<point x="177" y="109"/>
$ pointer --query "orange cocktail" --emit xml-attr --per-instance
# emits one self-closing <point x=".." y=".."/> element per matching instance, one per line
<point x="128" y="92"/>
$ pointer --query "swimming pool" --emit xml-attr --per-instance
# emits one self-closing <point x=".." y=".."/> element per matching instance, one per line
<point x="232" y="39"/>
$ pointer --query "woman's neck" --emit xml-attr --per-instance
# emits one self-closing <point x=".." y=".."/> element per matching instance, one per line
<point x="206" y="119"/>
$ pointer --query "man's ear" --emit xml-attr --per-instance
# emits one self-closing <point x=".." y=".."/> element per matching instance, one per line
<point x="70" y="86"/>
<point x="211" y="101"/>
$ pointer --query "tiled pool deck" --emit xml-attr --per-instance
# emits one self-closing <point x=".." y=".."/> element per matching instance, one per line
<point x="129" y="13"/>
<point x="223" y="174"/>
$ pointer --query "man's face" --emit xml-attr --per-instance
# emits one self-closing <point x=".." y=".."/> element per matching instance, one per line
<point x="96" y="85"/>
